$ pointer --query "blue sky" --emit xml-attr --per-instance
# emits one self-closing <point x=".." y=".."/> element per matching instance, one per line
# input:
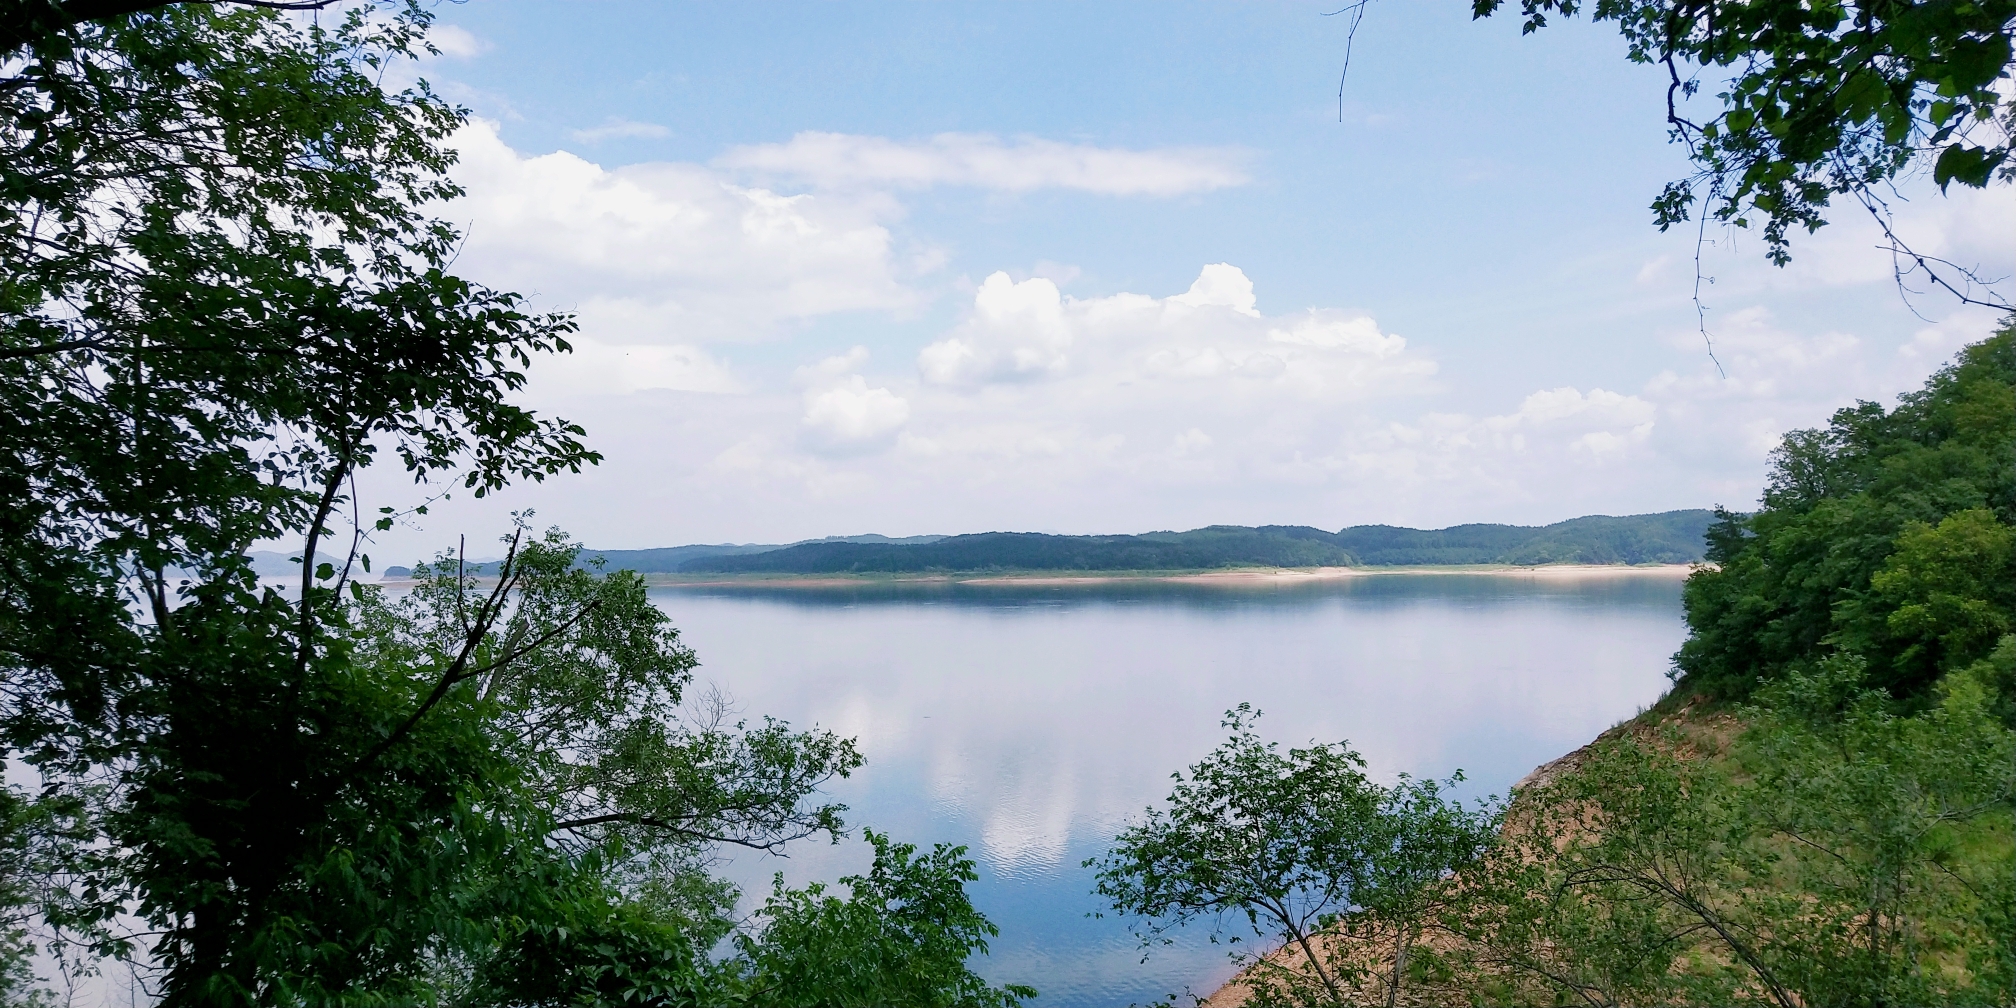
<point x="1217" y="302"/>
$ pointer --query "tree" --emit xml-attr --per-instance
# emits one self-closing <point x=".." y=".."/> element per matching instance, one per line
<point x="1423" y="838"/>
<point x="1879" y="814"/>
<point x="219" y="300"/>
<point x="29" y="20"/>
<point x="1834" y="851"/>
<point x="583" y="681"/>
<point x="579" y="685"/>
<point x="1885" y="533"/>
<point x="1297" y="843"/>
<point x="1617" y="879"/>
<point x="1821" y="100"/>
<point x="901" y="937"/>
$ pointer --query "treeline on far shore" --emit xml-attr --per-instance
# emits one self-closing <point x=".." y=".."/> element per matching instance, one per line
<point x="1667" y="537"/>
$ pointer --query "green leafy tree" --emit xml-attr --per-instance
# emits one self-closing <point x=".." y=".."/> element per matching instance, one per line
<point x="901" y="937"/>
<point x="1837" y="851"/>
<point x="1422" y="839"/>
<point x="219" y="303"/>
<point x="219" y="300"/>
<point x="1295" y="842"/>
<point x="1894" y="832"/>
<point x="1941" y="600"/>
<point x="583" y="683"/>
<point x="1625" y="880"/>
<point x="1886" y="532"/>
<point x="1819" y="100"/>
<point x="580" y="684"/>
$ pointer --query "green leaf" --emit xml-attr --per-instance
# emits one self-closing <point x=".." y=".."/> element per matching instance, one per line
<point x="1966" y="165"/>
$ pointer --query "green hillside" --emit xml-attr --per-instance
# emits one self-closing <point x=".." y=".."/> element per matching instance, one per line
<point x="1671" y="537"/>
<point x="659" y="560"/>
<point x="666" y="559"/>
<point x="1217" y="546"/>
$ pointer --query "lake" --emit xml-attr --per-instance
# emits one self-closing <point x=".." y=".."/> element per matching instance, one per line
<point x="1028" y="722"/>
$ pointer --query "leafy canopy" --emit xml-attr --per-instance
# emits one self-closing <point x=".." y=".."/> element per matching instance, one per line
<point x="1887" y="533"/>
<point x="220" y="298"/>
<point x="1818" y="99"/>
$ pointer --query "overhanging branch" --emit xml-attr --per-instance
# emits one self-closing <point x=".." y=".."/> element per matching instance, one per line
<point x="37" y="19"/>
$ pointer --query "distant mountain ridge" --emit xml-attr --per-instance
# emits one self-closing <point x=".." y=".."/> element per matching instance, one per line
<point x="666" y="559"/>
<point x="1668" y="537"/>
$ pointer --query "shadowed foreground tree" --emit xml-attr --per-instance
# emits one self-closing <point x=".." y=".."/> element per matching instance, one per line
<point x="219" y="300"/>
<point x="901" y="937"/>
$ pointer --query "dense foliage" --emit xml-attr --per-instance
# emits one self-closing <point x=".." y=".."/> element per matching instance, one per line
<point x="1819" y="99"/>
<point x="901" y="937"/>
<point x="219" y="300"/>
<point x="1831" y="851"/>
<point x="1673" y="537"/>
<point x="1823" y="847"/>
<point x="1890" y="534"/>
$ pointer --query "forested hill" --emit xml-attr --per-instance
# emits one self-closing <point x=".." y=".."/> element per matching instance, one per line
<point x="661" y="560"/>
<point x="1671" y="537"/>
<point x="666" y="559"/>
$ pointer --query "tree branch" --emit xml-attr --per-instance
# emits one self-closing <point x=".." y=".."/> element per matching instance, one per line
<point x="486" y="616"/>
<point x="32" y="20"/>
<point x="651" y="822"/>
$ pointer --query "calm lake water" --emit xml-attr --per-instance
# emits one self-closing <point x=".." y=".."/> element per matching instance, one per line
<point x="1028" y="723"/>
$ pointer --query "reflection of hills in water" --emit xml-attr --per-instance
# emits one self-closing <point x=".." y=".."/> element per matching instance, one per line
<point x="1029" y="722"/>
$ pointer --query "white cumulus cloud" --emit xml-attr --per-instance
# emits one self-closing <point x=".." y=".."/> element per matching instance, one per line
<point x="1126" y="412"/>
<point x="850" y="414"/>
<point x="988" y="162"/>
<point x="1212" y="332"/>
<point x="668" y="255"/>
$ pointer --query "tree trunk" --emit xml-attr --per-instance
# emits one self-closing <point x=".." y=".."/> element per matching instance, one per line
<point x="1316" y="963"/>
<point x="1399" y="966"/>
